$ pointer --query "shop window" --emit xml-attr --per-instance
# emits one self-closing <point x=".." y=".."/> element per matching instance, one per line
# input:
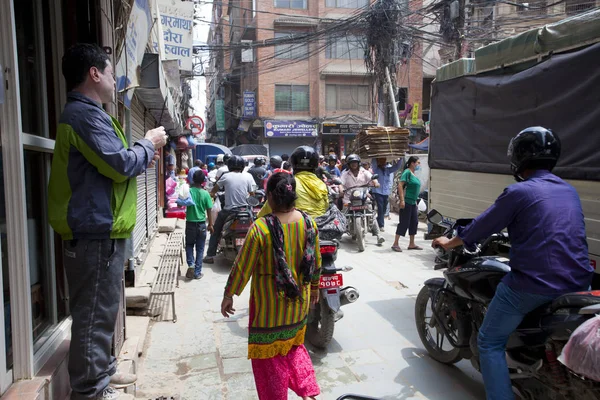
<point x="297" y="4"/>
<point x="292" y="50"/>
<point x="5" y="277"/>
<point x="347" y="97"/>
<point x="346" y="3"/>
<point x="402" y="98"/>
<point x="37" y="232"/>
<point x="291" y="98"/>
<point x="348" y="47"/>
<point x="35" y="72"/>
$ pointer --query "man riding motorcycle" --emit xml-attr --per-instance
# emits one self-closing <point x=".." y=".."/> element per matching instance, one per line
<point x="237" y="187"/>
<point x="355" y="176"/>
<point x="332" y="166"/>
<point x="549" y="253"/>
<point x="311" y="191"/>
<point x="224" y="168"/>
<point x="258" y="171"/>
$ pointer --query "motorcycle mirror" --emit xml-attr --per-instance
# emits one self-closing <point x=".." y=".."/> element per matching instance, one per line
<point x="347" y="268"/>
<point x="253" y="201"/>
<point x="435" y="217"/>
<point x="374" y="176"/>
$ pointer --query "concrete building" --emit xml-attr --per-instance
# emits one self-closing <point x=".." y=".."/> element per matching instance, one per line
<point x="317" y="93"/>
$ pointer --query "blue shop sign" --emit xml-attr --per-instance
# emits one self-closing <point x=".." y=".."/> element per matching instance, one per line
<point x="288" y="128"/>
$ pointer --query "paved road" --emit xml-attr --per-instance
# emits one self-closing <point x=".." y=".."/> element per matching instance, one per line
<point x="376" y="350"/>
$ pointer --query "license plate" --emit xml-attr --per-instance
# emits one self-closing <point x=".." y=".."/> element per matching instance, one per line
<point x="331" y="281"/>
<point x="354" y="208"/>
<point x="239" y="241"/>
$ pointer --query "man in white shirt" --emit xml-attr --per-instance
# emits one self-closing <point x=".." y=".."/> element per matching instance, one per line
<point x="238" y="186"/>
<point x="224" y="168"/>
<point x="355" y="176"/>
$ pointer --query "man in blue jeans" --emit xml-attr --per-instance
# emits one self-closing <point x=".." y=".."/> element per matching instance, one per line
<point x="382" y="193"/>
<point x="549" y="253"/>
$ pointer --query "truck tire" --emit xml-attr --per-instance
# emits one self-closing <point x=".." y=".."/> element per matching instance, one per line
<point x="319" y="331"/>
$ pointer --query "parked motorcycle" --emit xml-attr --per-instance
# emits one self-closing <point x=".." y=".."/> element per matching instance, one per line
<point x="361" y="215"/>
<point x="236" y="227"/>
<point x="449" y="312"/>
<point x="324" y="315"/>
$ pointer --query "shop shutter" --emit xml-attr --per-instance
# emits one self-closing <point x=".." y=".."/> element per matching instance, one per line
<point x="151" y="187"/>
<point x="137" y="133"/>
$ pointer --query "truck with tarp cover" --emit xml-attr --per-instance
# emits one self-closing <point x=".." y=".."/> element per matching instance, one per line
<point x="548" y="76"/>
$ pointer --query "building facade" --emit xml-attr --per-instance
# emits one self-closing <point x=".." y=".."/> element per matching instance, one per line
<point x="316" y="92"/>
<point x="34" y="317"/>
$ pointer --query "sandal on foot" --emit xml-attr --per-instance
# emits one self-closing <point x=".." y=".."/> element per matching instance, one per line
<point x="397" y="248"/>
<point x="415" y="248"/>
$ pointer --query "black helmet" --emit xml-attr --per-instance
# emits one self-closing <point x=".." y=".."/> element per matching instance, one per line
<point x="258" y="161"/>
<point x="275" y="162"/>
<point x="304" y="158"/>
<point x="226" y="158"/>
<point x="533" y="146"/>
<point x="332" y="157"/>
<point x="352" y="158"/>
<point x="236" y="163"/>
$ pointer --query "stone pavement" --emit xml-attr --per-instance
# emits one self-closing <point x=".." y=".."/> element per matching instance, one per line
<point x="376" y="350"/>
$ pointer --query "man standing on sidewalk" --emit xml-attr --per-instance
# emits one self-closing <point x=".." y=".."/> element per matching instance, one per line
<point x="382" y="193"/>
<point x="92" y="205"/>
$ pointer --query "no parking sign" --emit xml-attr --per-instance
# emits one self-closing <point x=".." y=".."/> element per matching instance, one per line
<point x="195" y="124"/>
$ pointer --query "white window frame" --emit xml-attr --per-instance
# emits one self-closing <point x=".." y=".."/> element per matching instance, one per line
<point x="27" y="359"/>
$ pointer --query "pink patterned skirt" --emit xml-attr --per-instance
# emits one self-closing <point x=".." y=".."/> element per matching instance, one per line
<point x="274" y="376"/>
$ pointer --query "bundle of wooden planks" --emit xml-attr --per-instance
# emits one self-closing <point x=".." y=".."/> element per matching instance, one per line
<point x="381" y="141"/>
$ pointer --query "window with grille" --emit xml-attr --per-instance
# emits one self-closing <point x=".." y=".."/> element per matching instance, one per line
<point x="573" y="7"/>
<point x="347" y="97"/>
<point x="298" y="4"/>
<point x="292" y="50"/>
<point x="346" y="3"/>
<point x="291" y="98"/>
<point x="349" y="47"/>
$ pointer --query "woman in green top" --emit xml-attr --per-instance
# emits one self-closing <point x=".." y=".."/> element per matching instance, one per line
<point x="409" y="214"/>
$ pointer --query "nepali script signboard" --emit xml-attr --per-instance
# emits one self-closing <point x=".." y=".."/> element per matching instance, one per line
<point x="177" y="21"/>
<point x="291" y="129"/>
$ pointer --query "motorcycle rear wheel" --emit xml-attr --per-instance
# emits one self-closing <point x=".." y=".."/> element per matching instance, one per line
<point x="360" y="237"/>
<point x="319" y="331"/>
<point x="433" y="345"/>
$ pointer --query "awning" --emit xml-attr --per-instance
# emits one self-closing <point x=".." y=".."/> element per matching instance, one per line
<point x="355" y="70"/>
<point x="292" y="21"/>
<point x="423" y="145"/>
<point x="249" y="149"/>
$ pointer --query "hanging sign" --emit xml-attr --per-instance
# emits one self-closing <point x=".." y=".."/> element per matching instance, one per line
<point x="136" y="38"/>
<point x="415" y="114"/>
<point x="249" y="111"/>
<point x="220" y="114"/>
<point x="177" y="21"/>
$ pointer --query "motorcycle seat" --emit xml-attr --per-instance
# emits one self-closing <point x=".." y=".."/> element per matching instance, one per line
<point x="575" y="300"/>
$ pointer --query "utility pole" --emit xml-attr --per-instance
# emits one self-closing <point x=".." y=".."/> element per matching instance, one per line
<point x="392" y="98"/>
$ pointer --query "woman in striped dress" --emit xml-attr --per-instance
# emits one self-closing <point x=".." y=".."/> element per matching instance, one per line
<point x="281" y="254"/>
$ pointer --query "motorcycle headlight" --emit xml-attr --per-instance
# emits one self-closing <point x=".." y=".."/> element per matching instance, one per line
<point x="356" y="193"/>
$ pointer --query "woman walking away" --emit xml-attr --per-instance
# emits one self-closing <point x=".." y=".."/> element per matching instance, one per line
<point x="281" y="254"/>
<point x="409" y="214"/>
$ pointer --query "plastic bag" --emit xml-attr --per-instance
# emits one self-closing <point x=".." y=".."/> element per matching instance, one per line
<point x="421" y="205"/>
<point x="582" y="352"/>
<point x="184" y="191"/>
<point x="170" y="186"/>
<point x="332" y="224"/>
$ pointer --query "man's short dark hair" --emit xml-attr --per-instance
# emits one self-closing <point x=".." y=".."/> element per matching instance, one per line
<point x="198" y="177"/>
<point x="78" y="60"/>
<point x="285" y="157"/>
<point x="198" y="163"/>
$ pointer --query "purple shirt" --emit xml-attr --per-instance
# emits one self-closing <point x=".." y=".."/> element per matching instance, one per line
<point x="549" y="252"/>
